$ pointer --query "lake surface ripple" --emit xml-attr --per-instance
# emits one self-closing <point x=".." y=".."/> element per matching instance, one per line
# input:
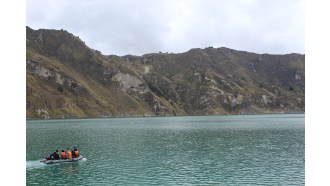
<point x="199" y="150"/>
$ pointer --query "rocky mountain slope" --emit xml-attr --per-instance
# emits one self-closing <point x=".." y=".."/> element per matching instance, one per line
<point x="65" y="79"/>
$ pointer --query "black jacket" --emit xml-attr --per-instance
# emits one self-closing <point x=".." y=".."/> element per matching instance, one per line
<point x="55" y="156"/>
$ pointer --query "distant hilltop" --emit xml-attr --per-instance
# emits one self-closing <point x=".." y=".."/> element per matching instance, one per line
<point x="67" y="79"/>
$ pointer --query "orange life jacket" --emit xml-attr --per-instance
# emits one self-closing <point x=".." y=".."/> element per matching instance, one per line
<point x="68" y="155"/>
<point x="63" y="154"/>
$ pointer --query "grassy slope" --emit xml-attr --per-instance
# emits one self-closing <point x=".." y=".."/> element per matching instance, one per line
<point x="200" y="81"/>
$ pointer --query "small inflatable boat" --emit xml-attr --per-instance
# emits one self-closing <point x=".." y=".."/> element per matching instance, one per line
<point x="62" y="160"/>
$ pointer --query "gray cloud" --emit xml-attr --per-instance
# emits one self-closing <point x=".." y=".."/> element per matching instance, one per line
<point x="146" y="26"/>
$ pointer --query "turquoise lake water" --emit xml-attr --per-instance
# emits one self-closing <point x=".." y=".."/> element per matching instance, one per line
<point x="196" y="150"/>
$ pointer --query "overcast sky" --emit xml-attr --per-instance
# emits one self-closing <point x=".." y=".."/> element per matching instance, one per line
<point x="138" y="27"/>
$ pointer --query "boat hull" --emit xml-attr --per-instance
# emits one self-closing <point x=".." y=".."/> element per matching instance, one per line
<point x="62" y="160"/>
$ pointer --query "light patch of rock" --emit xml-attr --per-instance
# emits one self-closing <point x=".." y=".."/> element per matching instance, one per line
<point x="217" y="89"/>
<point x="268" y="92"/>
<point x="297" y="77"/>
<point x="226" y="83"/>
<point x="59" y="79"/>
<point x="265" y="99"/>
<point x="146" y="70"/>
<point x="299" y="100"/>
<point x="209" y="79"/>
<point x="252" y="65"/>
<point x="128" y="81"/>
<point x="39" y="69"/>
<point x="237" y="100"/>
<point x="42" y="112"/>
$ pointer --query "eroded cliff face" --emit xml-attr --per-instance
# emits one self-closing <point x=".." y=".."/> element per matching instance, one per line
<point x="66" y="78"/>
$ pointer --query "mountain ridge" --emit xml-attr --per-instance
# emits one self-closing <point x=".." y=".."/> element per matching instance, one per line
<point x="67" y="79"/>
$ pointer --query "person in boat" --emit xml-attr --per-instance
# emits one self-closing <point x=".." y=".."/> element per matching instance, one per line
<point x="68" y="153"/>
<point x="75" y="152"/>
<point x="72" y="152"/>
<point x="63" y="155"/>
<point x="54" y="156"/>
